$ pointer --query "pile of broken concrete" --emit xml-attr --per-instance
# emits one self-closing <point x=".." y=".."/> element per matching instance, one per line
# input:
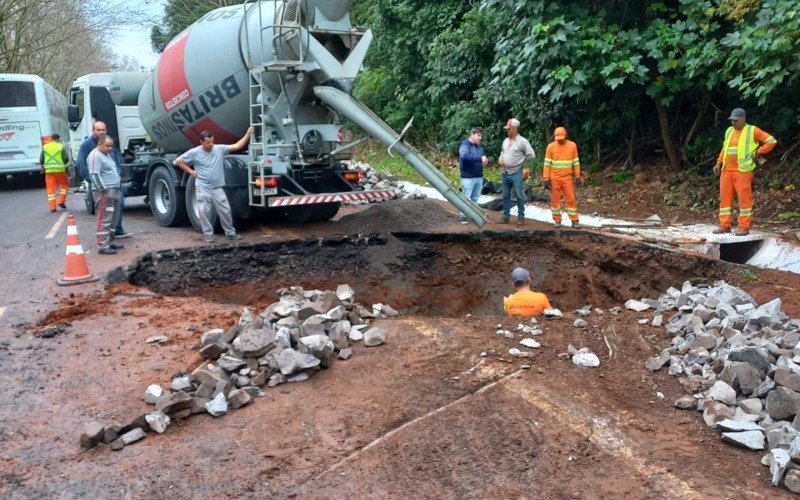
<point x="739" y="361"/>
<point x="374" y="180"/>
<point x="290" y="340"/>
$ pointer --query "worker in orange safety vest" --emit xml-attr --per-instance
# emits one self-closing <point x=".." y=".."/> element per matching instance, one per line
<point x="562" y="168"/>
<point x="53" y="161"/>
<point x="744" y="147"/>
<point x="524" y="301"/>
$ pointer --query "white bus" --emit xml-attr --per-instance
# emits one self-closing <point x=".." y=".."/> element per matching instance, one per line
<point x="30" y="109"/>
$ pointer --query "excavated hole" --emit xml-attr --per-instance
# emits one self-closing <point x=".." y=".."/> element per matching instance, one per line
<point x="430" y="274"/>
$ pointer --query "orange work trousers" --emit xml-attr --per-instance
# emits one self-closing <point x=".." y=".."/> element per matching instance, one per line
<point x="733" y="182"/>
<point x="56" y="181"/>
<point x="563" y="187"/>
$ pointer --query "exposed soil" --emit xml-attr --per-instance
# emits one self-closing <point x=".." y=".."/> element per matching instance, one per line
<point x="423" y="416"/>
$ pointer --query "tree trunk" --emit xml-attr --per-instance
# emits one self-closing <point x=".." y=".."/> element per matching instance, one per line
<point x="669" y="142"/>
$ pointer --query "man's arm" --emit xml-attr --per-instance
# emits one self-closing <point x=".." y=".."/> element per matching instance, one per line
<point x="576" y="163"/>
<point x="64" y="156"/>
<point x="83" y="153"/>
<point x="235" y="148"/>
<point x="465" y="154"/>
<point x="181" y="164"/>
<point x="530" y="154"/>
<point x="94" y="172"/>
<point x="767" y="142"/>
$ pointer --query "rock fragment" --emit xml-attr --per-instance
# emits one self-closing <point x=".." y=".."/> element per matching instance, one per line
<point x="152" y="393"/>
<point x="375" y="336"/>
<point x="93" y="433"/>
<point x="218" y="406"/>
<point x="158" y="422"/>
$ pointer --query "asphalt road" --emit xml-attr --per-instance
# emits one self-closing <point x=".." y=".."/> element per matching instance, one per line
<point x="32" y="241"/>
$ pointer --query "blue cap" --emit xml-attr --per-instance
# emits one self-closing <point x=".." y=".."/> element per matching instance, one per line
<point x="520" y="275"/>
<point x="737" y="113"/>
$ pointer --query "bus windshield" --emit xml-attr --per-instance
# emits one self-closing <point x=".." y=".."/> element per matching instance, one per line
<point x="17" y="94"/>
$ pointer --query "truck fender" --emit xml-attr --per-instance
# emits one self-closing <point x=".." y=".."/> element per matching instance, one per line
<point x="179" y="177"/>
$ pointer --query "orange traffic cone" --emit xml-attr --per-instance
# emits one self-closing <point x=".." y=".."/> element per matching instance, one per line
<point x="76" y="271"/>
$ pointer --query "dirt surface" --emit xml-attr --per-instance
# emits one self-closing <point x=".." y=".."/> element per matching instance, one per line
<point x="424" y="415"/>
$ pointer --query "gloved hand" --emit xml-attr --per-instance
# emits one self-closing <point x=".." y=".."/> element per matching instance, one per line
<point x="579" y="181"/>
<point x="547" y="185"/>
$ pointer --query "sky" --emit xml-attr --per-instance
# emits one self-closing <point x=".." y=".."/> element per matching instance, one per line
<point x="134" y="40"/>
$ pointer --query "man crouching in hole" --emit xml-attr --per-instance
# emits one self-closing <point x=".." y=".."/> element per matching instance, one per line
<point x="208" y="160"/>
<point x="524" y="301"/>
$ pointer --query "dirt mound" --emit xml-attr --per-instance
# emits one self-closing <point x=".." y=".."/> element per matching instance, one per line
<point x="401" y="215"/>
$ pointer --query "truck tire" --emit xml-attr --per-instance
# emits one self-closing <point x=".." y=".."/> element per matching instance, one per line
<point x="167" y="201"/>
<point x="312" y="213"/>
<point x="192" y="212"/>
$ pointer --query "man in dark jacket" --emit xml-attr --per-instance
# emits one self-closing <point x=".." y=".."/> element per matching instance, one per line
<point x="472" y="160"/>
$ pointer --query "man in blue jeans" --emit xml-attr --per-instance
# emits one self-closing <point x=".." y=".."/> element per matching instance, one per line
<point x="472" y="160"/>
<point x="517" y="151"/>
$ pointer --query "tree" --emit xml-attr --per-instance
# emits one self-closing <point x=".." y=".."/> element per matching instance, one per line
<point x="179" y="15"/>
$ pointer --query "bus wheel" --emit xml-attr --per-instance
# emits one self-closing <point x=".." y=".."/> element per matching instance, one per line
<point x="166" y="200"/>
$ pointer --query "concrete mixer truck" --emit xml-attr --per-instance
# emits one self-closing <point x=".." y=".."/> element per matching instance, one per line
<point x="287" y="68"/>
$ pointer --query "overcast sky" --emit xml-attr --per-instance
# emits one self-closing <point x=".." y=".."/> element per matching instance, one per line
<point x="134" y="40"/>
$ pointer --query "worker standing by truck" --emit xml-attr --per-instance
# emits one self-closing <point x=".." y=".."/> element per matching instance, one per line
<point x="89" y="144"/>
<point x="208" y="160"/>
<point x="105" y="177"/>
<point x="516" y="152"/>
<point x="744" y="147"/>
<point x="562" y="169"/>
<point x="53" y="160"/>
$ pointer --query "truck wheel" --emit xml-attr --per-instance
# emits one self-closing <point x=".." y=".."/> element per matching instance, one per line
<point x="73" y="179"/>
<point x="312" y="213"/>
<point x="88" y="199"/>
<point x="194" y="213"/>
<point x="166" y="200"/>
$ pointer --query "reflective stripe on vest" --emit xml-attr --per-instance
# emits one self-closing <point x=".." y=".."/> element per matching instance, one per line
<point x="52" y="158"/>
<point x="744" y="150"/>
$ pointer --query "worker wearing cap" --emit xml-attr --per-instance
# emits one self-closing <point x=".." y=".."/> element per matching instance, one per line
<point x="524" y="301"/>
<point x="53" y="160"/>
<point x="744" y="146"/>
<point x="515" y="153"/>
<point x="562" y="167"/>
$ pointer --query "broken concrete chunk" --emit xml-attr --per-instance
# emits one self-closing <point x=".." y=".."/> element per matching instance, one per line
<point x="213" y="350"/>
<point x="722" y="392"/>
<point x="729" y="425"/>
<point x="792" y="481"/>
<point x="255" y="343"/>
<point x="238" y="398"/>
<point x="319" y="346"/>
<point x="636" y="305"/>
<point x="346" y="294"/>
<point x="132" y="436"/>
<point x="778" y="464"/>
<point x="230" y="363"/>
<point x="206" y="373"/>
<point x="714" y="412"/>
<point x="767" y="314"/>
<point x="218" y="406"/>
<point x="345" y="354"/>
<point x="530" y="343"/>
<point x="782" y="403"/>
<point x="753" y="440"/>
<point x="553" y="313"/>
<point x="752" y="406"/>
<point x="580" y="323"/>
<point x="748" y="377"/>
<point x="152" y="393"/>
<point x="181" y="383"/>
<point x="756" y="356"/>
<point x="586" y="360"/>
<point x="171" y="403"/>
<point x="788" y="378"/>
<point x="93" y="434"/>
<point x="375" y="336"/>
<point x="290" y="361"/>
<point x="158" y="421"/>
<point x="276" y="379"/>
<point x="158" y="339"/>
<point x="686" y="403"/>
<point x="211" y="337"/>
<point x="657" y="362"/>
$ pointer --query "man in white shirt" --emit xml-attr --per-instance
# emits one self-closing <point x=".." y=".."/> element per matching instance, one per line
<point x="517" y="151"/>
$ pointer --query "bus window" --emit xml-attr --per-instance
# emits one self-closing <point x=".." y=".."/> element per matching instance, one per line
<point x="17" y="95"/>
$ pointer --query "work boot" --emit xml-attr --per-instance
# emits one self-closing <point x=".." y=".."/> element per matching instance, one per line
<point x="521" y="221"/>
<point x="117" y="246"/>
<point x="721" y="230"/>
<point x="121" y="235"/>
<point x="505" y="220"/>
<point x="63" y="205"/>
<point x="234" y="236"/>
<point x="52" y="210"/>
<point x="107" y="251"/>
<point x="576" y="225"/>
<point x="742" y="232"/>
<point x="208" y="238"/>
<point x="557" y="225"/>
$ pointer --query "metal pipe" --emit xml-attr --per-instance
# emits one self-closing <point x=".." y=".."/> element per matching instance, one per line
<point x="376" y="127"/>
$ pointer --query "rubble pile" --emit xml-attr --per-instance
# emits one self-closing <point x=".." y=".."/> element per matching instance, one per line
<point x="372" y="179"/>
<point x="291" y="339"/>
<point x="740" y="363"/>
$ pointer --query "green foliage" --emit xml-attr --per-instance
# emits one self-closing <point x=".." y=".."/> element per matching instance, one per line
<point x="621" y="177"/>
<point x="178" y="15"/>
<point x="789" y="215"/>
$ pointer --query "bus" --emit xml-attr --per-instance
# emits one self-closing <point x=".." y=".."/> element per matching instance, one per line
<point x="30" y="110"/>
